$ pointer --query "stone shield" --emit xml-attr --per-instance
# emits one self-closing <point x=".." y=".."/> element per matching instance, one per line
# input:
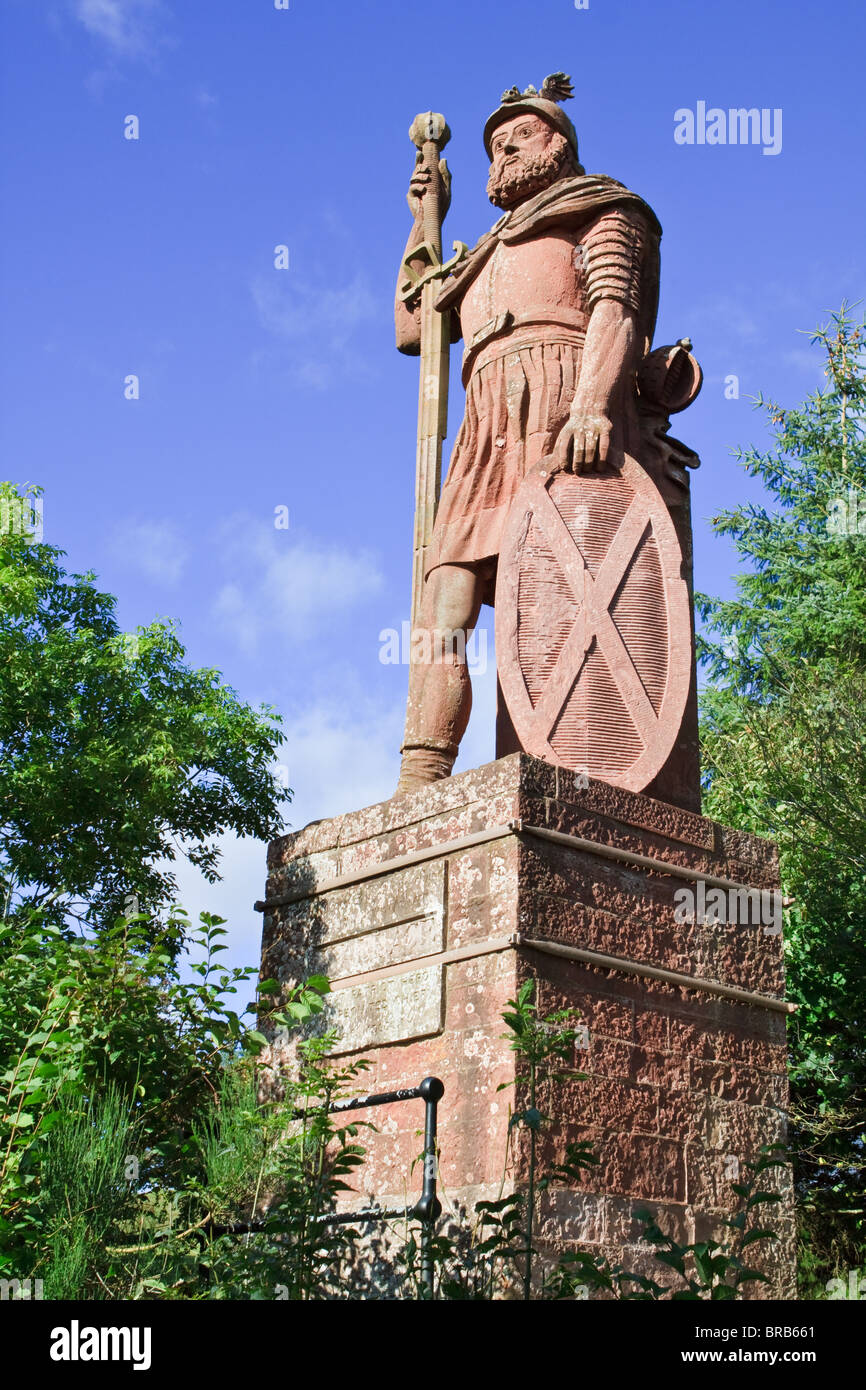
<point x="593" y="623"/>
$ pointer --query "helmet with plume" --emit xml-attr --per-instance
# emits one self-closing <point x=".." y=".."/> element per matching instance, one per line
<point x="545" y="103"/>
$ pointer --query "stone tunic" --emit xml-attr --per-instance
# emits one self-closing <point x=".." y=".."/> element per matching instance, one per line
<point x="524" y="319"/>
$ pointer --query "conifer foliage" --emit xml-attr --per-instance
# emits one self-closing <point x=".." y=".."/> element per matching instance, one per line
<point x="784" y="755"/>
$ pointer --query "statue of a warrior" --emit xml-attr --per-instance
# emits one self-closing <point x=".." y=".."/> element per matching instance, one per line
<point x="556" y="306"/>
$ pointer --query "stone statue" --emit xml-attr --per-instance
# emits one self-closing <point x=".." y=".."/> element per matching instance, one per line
<point x="563" y="457"/>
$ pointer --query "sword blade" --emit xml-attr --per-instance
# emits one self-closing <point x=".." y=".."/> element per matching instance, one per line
<point x="432" y="428"/>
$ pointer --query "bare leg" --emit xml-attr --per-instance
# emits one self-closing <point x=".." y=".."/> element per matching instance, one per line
<point x="440" y="692"/>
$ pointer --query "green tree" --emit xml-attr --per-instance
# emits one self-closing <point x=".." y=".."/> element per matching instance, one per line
<point x="131" y="1137"/>
<point x="115" y="755"/>
<point x="119" y="1020"/>
<point x="784" y="751"/>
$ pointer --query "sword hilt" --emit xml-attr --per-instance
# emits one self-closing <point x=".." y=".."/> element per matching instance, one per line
<point x="436" y="270"/>
<point x="430" y="134"/>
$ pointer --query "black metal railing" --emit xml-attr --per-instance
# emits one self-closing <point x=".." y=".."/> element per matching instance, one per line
<point x="428" y="1208"/>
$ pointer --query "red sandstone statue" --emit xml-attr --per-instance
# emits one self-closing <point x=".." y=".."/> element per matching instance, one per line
<point x="563" y="456"/>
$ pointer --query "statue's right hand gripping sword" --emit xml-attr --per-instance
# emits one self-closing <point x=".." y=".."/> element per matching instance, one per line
<point x="430" y="134"/>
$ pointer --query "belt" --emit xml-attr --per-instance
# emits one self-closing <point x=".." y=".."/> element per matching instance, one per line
<point x="510" y="332"/>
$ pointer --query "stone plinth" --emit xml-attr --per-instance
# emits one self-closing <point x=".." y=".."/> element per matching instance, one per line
<point x="429" y="911"/>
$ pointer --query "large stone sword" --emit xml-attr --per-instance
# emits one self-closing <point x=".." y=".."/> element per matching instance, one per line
<point x="424" y="269"/>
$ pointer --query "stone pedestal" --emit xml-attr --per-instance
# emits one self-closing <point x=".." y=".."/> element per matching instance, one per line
<point x="429" y="911"/>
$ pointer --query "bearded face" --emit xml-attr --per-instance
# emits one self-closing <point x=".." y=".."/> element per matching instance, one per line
<point x="528" y="156"/>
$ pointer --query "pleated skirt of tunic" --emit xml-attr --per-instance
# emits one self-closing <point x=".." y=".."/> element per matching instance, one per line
<point x="516" y="404"/>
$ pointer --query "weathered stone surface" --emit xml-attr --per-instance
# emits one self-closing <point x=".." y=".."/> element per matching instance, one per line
<point x="615" y="804"/>
<point x="572" y="549"/>
<point x="623" y="1228"/>
<point x="403" y="920"/>
<point x="387" y="1011"/>
<point x="681" y="1086"/>
<point x="567" y="1218"/>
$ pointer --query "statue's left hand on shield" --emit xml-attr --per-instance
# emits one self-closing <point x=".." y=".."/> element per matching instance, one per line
<point x="583" y="444"/>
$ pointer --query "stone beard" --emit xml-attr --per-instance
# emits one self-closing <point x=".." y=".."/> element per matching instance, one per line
<point x="529" y="175"/>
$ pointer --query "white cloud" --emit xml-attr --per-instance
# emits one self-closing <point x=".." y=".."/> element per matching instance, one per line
<point x="282" y="587"/>
<point x="128" y="27"/>
<point x="287" y="306"/>
<point x="734" y="315"/>
<point x="243" y="865"/>
<point x="155" y="548"/>
<point x="317" y="322"/>
<point x="804" y="360"/>
<point x="340" y="757"/>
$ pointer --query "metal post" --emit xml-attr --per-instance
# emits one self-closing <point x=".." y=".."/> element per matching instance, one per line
<point x="429" y="1208"/>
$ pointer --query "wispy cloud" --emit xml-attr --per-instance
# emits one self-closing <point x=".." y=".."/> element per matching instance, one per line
<point x="804" y="360"/>
<point x="130" y="28"/>
<point x="288" y="588"/>
<point x="319" y="323"/>
<point x="339" y="756"/>
<point x="155" y="548"/>
<point x="732" y="313"/>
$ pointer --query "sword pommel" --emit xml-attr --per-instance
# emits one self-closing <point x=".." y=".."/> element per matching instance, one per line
<point x="429" y="126"/>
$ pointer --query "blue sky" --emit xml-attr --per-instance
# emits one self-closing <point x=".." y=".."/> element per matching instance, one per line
<point x="262" y="388"/>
